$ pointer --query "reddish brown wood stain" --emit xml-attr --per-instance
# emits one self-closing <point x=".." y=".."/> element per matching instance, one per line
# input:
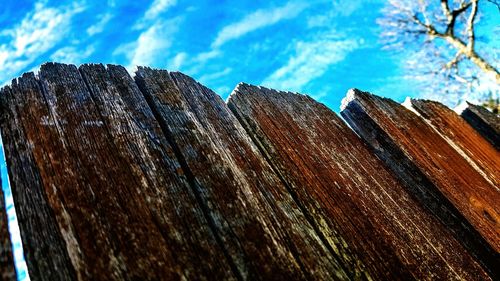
<point x="477" y="150"/>
<point x="348" y="190"/>
<point x="445" y="180"/>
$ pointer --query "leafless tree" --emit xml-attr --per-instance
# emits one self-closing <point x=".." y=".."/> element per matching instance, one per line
<point x="441" y="38"/>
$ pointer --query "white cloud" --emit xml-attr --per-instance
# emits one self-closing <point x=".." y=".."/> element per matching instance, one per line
<point x="152" y="46"/>
<point x="207" y="78"/>
<point x="223" y="91"/>
<point x="205" y="56"/>
<point x="347" y="8"/>
<point x="178" y="61"/>
<point x="158" y="7"/>
<point x="37" y="33"/>
<point x="251" y="22"/>
<point x="310" y="61"/>
<point x="257" y="20"/>
<point x="99" y="26"/>
<point x="72" y="54"/>
<point x="319" y="21"/>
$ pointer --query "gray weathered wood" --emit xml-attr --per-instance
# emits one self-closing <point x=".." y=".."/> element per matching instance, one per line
<point x="347" y="190"/>
<point x="265" y="233"/>
<point x="433" y="171"/>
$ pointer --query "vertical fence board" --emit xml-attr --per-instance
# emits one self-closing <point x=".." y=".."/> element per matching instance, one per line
<point x="264" y="231"/>
<point x="137" y="137"/>
<point x="348" y="189"/>
<point x="433" y="170"/>
<point x="101" y="204"/>
<point x="23" y="107"/>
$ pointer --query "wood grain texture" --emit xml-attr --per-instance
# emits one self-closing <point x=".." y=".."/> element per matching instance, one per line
<point x="156" y="178"/>
<point x="118" y="206"/>
<point x="433" y="171"/>
<point x="348" y="191"/>
<point x="459" y="134"/>
<point x="23" y="106"/>
<point x="485" y="122"/>
<point x="7" y="271"/>
<point x="137" y="136"/>
<point x="264" y="232"/>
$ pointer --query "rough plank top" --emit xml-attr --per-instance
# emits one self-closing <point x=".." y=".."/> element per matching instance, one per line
<point x="443" y="180"/>
<point x="359" y="206"/>
<point x="7" y="271"/>
<point x="264" y="232"/>
<point x="485" y="122"/>
<point x="459" y="134"/>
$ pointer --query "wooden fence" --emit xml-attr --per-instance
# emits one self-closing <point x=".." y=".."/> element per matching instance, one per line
<point x="155" y="177"/>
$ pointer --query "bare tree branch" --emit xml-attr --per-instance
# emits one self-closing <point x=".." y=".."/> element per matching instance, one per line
<point x="454" y="62"/>
<point x="444" y="39"/>
<point x="495" y="2"/>
<point x="431" y="30"/>
<point x="470" y="26"/>
<point x="446" y="9"/>
<point x="453" y="15"/>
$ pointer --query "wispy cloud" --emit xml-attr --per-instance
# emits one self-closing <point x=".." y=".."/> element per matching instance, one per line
<point x="215" y="75"/>
<point x="310" y="60"/>
<point x="152" y="46"/>
<point x="257" y="20"/>
<point x="100" y="25"/>
<point x="157" y="8"/>
<point x="71" y="54"/>
<point x="37" y="33"/>
<point x="254" y="21"/>
<point x="177" y="62"/>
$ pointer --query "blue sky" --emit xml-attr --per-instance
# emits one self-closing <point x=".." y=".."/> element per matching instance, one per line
<point x="318" y="47"/>
<point x="321" y="48"/>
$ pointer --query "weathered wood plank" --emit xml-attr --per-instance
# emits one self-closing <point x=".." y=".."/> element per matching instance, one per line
<point x="432" y="170"/>
<point x="101" y="195"/>
<point x="137" y="137"/>
<point x="116" y="237"/>
<point x="459" y="134"/>
<point x="7" y="271"/>
<point x="348" y="190"/>
<point x="485" y="122"/>
<point x="40" y="233"/>
<point x="265" y="233"/>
